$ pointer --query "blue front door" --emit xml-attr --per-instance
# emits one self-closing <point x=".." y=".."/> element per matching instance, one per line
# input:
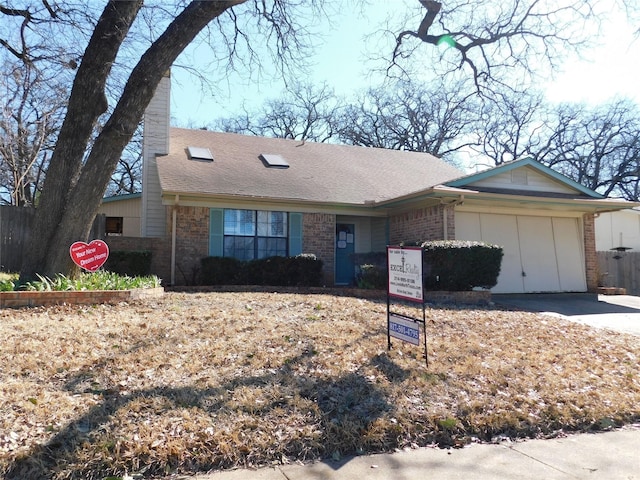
<point x="345" y="247"/>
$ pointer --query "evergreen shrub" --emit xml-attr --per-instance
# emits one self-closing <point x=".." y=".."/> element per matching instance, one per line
<point x="458" y="265"/>
<point x="303" y="270"/>
<point x="130" y="263"/>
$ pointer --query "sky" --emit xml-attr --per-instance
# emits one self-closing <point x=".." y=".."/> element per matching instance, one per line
<point x="610" y="69"/>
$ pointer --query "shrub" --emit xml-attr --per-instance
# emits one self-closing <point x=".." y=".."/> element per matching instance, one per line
<point x="301" y="270"/>
<point x="265" y="271"/>
<point x="460" y="265"/>
<point x="371" y="277"/>
<point x="219" y="271"/>
<point x="371" y="269"/>
<point x="131" y="263"/>
<point x="305" y="270"/>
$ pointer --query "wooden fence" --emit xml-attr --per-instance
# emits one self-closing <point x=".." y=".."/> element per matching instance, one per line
<point x="15" y="227"/>
<point x="620" y="270"/>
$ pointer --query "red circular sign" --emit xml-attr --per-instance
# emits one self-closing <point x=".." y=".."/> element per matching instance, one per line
<point x="89" y="256"/>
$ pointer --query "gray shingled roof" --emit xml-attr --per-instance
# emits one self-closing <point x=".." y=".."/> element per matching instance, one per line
<point x="318" y="172"/>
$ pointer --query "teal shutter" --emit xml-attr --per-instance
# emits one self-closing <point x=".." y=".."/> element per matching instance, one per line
<point x="295" y="234"/>
<point x="216" y="232"/>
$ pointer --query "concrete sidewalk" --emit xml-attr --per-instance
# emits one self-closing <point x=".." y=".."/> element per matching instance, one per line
<point x="608" y="456"/>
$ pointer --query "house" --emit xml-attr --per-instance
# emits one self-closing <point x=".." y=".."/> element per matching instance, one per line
<point x="618" y="250"/>
<point x="122" y="214"/>
<point x="620" y="229"/>
<point x="218" y="194"/>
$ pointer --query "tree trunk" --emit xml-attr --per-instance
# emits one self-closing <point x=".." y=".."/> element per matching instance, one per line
<point x="72" y="191"/>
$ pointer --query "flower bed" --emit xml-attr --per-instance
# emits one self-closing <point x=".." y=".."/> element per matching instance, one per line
<point x="75" y="297"/>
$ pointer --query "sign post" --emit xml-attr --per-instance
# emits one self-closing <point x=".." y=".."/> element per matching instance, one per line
<point x="404" y="268"/>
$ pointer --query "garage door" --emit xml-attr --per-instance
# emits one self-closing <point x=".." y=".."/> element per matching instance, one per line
<point x="541" y="254"/>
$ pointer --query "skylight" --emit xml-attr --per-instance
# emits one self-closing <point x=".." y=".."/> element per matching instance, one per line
<point x="273" y="161"/>
<point x="200" y="153"/>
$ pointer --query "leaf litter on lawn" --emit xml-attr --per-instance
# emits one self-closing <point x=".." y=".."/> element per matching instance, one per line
<point x="194" y="382"/>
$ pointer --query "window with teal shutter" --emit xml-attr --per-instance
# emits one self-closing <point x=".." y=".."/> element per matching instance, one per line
<point x="216" y="232"/>
<point x="295" y="234"/>
<point x="251" y="234"/>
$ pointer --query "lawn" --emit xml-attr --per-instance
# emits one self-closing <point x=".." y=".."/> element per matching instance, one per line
<point x="194" y="382"/>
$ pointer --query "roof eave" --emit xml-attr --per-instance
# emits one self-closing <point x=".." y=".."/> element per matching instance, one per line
<point x="588" y="205"/>
<point x="170" y="198"/>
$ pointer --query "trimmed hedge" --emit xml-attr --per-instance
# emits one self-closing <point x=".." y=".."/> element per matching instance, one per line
<point x="219" y="270"/>
<point x="303" y="270"/>
<point x="131" y="263"/>
<point x="457" y="265"/>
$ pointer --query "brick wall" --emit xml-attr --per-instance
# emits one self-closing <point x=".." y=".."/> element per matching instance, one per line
<point x="318" y="237"/>
<point x="590" y="255"/>
<point x="192" y="242"/>
<point x="160" y="252"/>
<point x="425" y="223"/>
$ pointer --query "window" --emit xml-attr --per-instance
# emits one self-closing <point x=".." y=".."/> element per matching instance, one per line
<point x="200" y="153"/>
<point x="273" y="161"/>
<point x="113" y="226"/>
<point x="251" y="234"/>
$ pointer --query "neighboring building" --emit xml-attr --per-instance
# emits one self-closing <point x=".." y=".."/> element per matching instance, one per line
<point x="122" y="214"/>
<point x="210" y="193"/>
<point x="618" y="229"/>
<point x="618" y="247"/>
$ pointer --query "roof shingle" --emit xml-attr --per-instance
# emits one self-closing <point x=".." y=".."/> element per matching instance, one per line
<point x="318" y="172"/>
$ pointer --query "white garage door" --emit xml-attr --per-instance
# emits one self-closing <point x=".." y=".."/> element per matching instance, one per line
<point x="541" y="254"/>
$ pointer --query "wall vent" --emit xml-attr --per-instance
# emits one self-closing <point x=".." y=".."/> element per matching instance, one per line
<point x="519" y="176"/>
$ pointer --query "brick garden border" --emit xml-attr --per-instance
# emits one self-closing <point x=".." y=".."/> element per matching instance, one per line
<point x="76" y="297"/>
<point x="473" y="297"/>
<point x="90" y="297"/>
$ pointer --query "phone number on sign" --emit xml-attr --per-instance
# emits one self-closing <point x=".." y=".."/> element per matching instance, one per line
<point x="404" y="330"/>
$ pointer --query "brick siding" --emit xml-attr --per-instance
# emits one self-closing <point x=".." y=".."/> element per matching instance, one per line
<point x="318" y="237"/>
<point x="192" y="242"/>
<point x="590" y="255"/>
<point x="423" y="224"/>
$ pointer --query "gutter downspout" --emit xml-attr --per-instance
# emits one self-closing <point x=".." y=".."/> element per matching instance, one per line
<point x="445" y="221"/>
<point x="174" y="216"/>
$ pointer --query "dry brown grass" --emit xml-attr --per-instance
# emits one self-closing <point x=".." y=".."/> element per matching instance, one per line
<point x="201" y="381"/>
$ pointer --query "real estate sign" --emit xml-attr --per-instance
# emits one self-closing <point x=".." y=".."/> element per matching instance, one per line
<point x="404" y="268"/>
<point x="405" y="273"/>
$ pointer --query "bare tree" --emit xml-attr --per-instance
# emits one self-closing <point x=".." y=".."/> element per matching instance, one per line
<point x="435" y="118"/>
<point x="127" y="177"/>
<point x="29" y="120"/>
<point x="511" y="126"/>
<point x="84" y="159"/>
<point x="495" y="42"/>
<point x="597" y="147"/>
<point x="305" y="112"/>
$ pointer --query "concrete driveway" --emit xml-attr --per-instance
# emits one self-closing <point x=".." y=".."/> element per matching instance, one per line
<point x="616" y="312"/>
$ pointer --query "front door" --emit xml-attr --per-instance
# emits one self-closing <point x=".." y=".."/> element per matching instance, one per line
<point x="345" y="247"/>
